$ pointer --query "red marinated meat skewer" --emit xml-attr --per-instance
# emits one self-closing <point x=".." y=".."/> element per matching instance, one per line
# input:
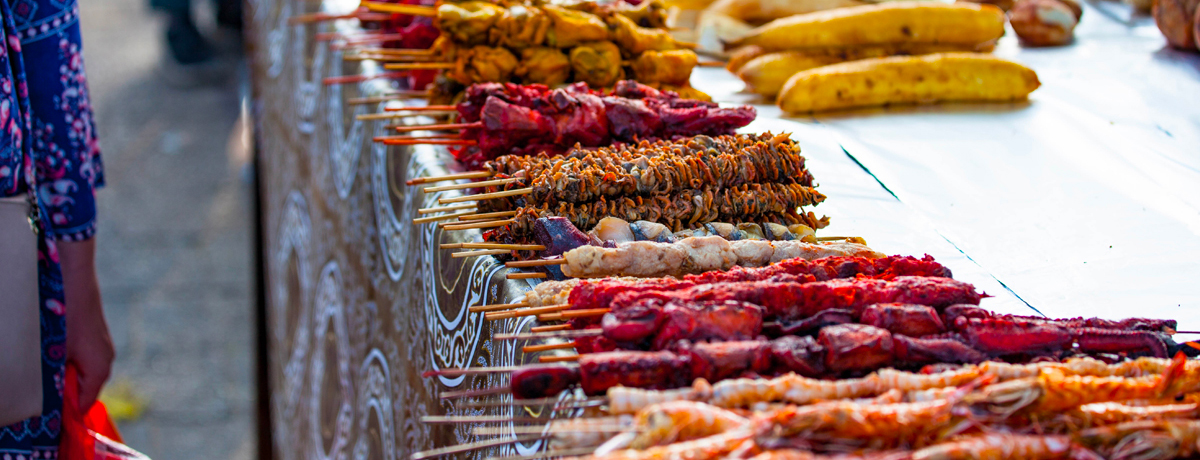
<point x="589" y="295"/>
<point x="837" y="350"/>
<point x="650" y="325"/>
<point x="511" y="119"/>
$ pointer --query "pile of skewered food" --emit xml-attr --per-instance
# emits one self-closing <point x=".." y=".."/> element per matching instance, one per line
<point x="872" y="55"/>
<point x="551" y="44"/>
<point x="884" y="358"/>
<point x="507" y="119"/>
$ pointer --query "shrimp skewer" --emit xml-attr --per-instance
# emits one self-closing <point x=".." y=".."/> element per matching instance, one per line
<point x="676" y="421"/>
<point x="1146" y="439"/>
<point x="711" y="447"/>
<point x="1005" y="447"/>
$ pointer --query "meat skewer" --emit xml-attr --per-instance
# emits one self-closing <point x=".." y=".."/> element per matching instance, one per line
<point x="533" y="119"/>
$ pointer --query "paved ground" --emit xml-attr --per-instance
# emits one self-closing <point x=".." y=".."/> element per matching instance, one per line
<point x="174" y="239"/>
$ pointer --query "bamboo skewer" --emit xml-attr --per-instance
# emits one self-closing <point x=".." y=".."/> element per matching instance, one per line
<point x="535" y="263"/>
<point x="497" y="307"/>
<point x="466" y="175"/>
<point x="425" y="108"/>
<point x="374" y="99"/>
<point x="469" y="371"/>
<point x="502" y="430"/>
<point x="551" y="328"/>
<point x="450" y="246"/>
<point x="525" y="276"/>
<point x="322" y="17"/>
<point x="584" y="313"/>
<point x="549" y="346"/>
<point x="485" y="252"/>
<point x="550" y="317"/>
<point x="494" y="215"/>
<point x="486" y="196"/>
<point x="400" y="51"/>
<point x="473" y="393"/>
<point x="569" y="403"/>
<point x="423" y="139"/>
<point x="419" y="66"/>
<point x="442" y="127"/>
<point x="511" y="247"/>
<point x="344" y="79"/>
<point x="429" y="142"/>
<point x="397" y="113"/>
<point x="331" y="36"/>
<point x="351" y="41"/>
<point x="449" y="419"/>
<point x="414" y="10"/>
<point x="470" y="225"/>
<point x="461" y="448"/>
<point x="360" y="56"/>
<point x="525" y="312"/>
<point x="558" y="359"/>
<point x="422" y="220"/>
<point x="486" y="183"/>
<point x="443" y="208"/>
<point x="576" y="452"/>
<point x="549" y="335"/>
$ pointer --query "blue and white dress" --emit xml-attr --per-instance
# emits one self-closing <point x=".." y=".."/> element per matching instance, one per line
<point x="47" y="142"/>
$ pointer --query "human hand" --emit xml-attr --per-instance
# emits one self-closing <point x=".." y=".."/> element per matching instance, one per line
<point x="89" y="345"/>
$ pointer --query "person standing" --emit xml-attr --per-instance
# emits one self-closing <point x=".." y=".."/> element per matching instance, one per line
<point x="48" y="146"/>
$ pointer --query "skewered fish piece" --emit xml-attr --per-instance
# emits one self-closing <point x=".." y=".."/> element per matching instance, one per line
<point x="696" y="255"/>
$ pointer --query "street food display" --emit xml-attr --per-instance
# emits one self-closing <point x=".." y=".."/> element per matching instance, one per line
<point x="692" y="305"/>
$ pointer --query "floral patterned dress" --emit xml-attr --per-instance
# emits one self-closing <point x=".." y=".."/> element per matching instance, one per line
<point x="47" y="144"/>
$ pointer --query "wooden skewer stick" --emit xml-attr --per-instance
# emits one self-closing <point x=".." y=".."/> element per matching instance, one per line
<point x="461" y="448"/>
<point x="548" y="346"/>
<point x="474" y="393"/>
<point x="372" y="38"/>
<point x="344" y="79"/>
<point x="444" y="208"/>
<point x="584" y="313"/>
<point x="576" y="452"/>
<point x="400" y="51"/>
<point x="493" y="215"/>
<point x="497" y="307"/>
<point x="466" y="175"/>
<point x="525" y="312"/>
<point x="549" y="335"/>
<point x="374" y="99"/>
<point x="449" y="419"/>
<point x="553" y="400"/>
<point x="322" y="17"/>
<point x="551" y="328"/>
<point x="455" y="372"/>
<point x="535" y="263"/>
<point x="558" y="359"/>
<point x="442" y="127"/>
<point x="550" y="317"/>
<point x="415" y="138"/>
<point x="450" y="246"/>
<point x="424" y="108"/>
<point x="511" y="247"/>
<point x="422" y="220"/>
<point x="485" y="252"/>
<point x="419" y="66"/>
<point x="502" y="430"/>
<point x="486" y="183"/>
<point x="384" y="57"/>
<point x="429" y="142"/>
<point x="486" y="196"/>
<point x="832" y="238"/>
<point x="396" y="113"/>
<point x="492" y="224"/>
<point x="414" y="10"/>
<point x="525" y="276"/>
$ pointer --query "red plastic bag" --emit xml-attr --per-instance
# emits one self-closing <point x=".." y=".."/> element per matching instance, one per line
<point x="90" y="436"/>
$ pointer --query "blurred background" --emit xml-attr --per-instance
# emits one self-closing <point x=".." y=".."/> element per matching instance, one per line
<point x="174" y="242"/>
